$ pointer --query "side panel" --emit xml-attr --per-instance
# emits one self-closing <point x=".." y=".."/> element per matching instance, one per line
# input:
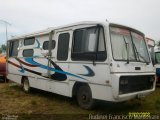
<point x="34" y="67"/>
<point x="98" y="77"/>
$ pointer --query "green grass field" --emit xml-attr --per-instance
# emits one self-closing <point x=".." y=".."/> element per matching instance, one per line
<point x="44" y="105"/>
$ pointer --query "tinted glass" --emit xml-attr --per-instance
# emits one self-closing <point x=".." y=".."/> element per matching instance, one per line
<point x="14" y="48"/>
<point x="46" y="45"/>
<point x="28" y="53"/>
<point x="63" y="44"/>
<point x="89" y="44"/>
<point x="29" y="41"/>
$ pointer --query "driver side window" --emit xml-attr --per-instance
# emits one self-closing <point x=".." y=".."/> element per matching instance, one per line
<point x="89" y="44"/>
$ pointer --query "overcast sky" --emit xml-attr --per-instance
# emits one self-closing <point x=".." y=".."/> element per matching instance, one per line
<point x="28" y="16"/>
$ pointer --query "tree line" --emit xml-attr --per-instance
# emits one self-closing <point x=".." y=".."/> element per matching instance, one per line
<point x="3" y="48"/>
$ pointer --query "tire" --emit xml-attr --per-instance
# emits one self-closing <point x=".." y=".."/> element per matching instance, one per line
<point x="26" y="86"/>
<point x="84" y="97"/>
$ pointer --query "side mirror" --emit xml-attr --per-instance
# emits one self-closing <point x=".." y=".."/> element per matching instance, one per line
<point x="153" y="58"/>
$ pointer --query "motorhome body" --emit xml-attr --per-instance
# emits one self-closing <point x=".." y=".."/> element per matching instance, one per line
<point x="90" y="60"/>
<point x="155" y="56"/>
<point x="157" y="63"/>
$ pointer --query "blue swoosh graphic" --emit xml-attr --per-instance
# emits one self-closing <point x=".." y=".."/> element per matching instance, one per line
<point x="31" y="61"/>
<point x="22" y="69"/>
<point x="38" y="46"/>
<point x="90" y="72"/>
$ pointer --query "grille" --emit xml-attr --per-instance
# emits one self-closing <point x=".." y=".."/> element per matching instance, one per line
<point x="129" y="84"/>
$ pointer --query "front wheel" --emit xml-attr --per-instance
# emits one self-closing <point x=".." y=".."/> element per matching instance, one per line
<point x="26" y="86"/>
<point x="84" y="97"/>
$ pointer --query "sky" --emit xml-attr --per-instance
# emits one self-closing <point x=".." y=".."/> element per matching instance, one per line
<point x="26" y="16"/>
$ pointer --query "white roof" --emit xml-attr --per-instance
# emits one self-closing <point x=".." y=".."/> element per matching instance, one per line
<point x="46" y="31"/>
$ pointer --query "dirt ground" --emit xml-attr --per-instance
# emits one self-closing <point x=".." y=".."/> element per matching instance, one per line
<point x="44" y="105"/>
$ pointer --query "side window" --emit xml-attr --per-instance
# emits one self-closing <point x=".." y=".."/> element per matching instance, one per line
<point x="89" y="44"/>
<point x="29" y="41"/>
<point x="63" y="45"/>
<point x="46" y="45"/>
<point x="28" y="53"/>
<point x="85" y="40"/>
<point x="13" y="49"/>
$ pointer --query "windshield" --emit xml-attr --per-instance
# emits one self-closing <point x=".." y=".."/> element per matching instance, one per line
<point x="128" y="45"/>
<point x="119" y="39"/>
<point x="157" y="56"/>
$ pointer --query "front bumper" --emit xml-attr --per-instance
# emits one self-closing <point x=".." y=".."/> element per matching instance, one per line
<point x="131" y="84"/>
<point x="129" y="96"/>
<point x="137" y="85"/>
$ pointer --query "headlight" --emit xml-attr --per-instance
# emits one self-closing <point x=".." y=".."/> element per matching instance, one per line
<point x="152" y="79"/>
<point x="124" y="81"/>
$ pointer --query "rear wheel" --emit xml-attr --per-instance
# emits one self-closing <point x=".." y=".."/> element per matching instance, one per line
<point x="26" y="86"/>
<point x="84" y="97"/>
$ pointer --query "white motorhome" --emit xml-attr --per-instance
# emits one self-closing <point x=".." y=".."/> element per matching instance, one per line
<point x="155" y="55"/>
<point x="151" y="47"/>
<point x="89" y="60"/>
<point x="157" y="63"/>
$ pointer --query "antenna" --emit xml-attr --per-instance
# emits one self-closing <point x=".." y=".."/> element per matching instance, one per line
<point x="6" y="23"/>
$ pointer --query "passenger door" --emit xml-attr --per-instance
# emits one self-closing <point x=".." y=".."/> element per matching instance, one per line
<point x="59" y="63"/>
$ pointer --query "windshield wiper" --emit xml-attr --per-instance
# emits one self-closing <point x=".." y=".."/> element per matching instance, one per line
<point x="127" y="47"/>
<point x="137" y="53"/>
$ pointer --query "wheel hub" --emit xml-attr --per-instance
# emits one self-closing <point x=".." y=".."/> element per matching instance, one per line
<point x="85" y="98"/>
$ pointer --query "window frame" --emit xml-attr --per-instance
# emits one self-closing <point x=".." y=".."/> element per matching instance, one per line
<point x="28" y="39"/>
<point x="156" y="57"/>
<point x="67" y="48"/>
<point x="28" y="56"/>
<point x="48" y="45"/>
<point x="93" y="55"/>
<point x="11" y="49"/>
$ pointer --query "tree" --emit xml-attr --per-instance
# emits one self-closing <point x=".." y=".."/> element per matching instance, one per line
<point x="3" y="48"/>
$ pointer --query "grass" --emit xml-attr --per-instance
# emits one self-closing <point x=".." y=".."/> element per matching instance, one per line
<point x="45" y="105"/>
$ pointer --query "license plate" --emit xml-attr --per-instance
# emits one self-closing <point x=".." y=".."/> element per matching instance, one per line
<point x="140" y="96"/>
